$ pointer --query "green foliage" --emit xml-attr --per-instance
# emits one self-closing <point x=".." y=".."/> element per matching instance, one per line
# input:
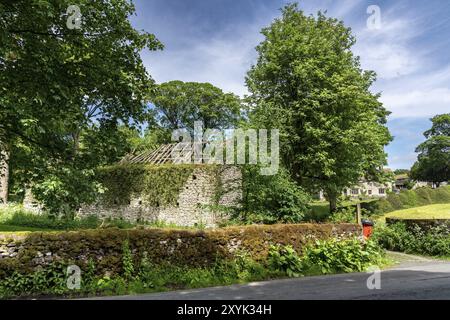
<point x="411" y="198"/>
<point x="148" y="278"/>
<point x="308" y="84"/>
<point x="50" y="280"/>
<point x="158" y="185"/>
<point x="180" y="247"/>
<point x="433" y="162"/>
<point x="384" y="206"/>
<point x="61" y="101"/>
<point x="398" y="237"/>
<point x="344" y="215"/>
<point x="178" y="104"/>
<point x="329" y="256"/>
<point x="271" y="199"/>
<point x="401" y="171"/>
<point x="286" y="259"/>
<point x="326" y="256"/>
<point x="64" y="189"/>
<point x="17" y="216"/>
<point x="334" y="255"/>
<point x="127" y="261"/>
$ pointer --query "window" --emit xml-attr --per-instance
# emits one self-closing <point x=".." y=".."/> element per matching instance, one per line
<point x="355" y="191"/>
<point x="381" y="191"/>
<point x="369" y="192"/>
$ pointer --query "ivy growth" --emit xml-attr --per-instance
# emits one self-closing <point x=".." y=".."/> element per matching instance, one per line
<point x="158" y="185"/>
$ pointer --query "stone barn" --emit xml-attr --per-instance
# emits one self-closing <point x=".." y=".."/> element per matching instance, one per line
<point x="152" y="187"/>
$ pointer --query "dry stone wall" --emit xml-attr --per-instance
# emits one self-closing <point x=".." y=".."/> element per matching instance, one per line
<point x="197" y="202"/>
<point x="27" y="251"/>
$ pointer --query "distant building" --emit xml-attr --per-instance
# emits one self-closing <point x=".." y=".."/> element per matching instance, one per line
<point x="404" y="182"/>
<point x="369" y="189"/>
<point x="365" y="189"/>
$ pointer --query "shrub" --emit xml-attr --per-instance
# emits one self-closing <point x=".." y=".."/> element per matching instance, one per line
<point x="395" y="201"/>
<point x="334" y="255"/>
<point x="64" y="189"/>
<point x="49" y="280"/>
<point x="434" y="241"/>
<point x="137" y="276"/>
<point x="285" y="259"/>
<point x="271" y="199"/>
<point x="346" y="215"/>
<point x="384" y="206"/>
<point x="409" y="198"/>
<point x="327" y="256"/>
<point x="424" y="195"/>
<point x="52" y="280"/>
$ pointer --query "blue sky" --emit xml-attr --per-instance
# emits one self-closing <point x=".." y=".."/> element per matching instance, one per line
<point x="214" y="40"/>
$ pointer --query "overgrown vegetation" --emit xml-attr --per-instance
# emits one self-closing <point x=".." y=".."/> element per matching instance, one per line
<point x="271" y="199"/>
<point x="326" y="257"/>
<point x="434" y="241"/>
<point x="434" y="157"/>
<point x="16" y="218"/>
<point x="158" y="185"/>
<point x="144" y="276"/>
<point x="349" y="255"/>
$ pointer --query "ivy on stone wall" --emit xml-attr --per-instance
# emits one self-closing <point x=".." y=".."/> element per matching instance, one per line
<point x="156" y="185"/>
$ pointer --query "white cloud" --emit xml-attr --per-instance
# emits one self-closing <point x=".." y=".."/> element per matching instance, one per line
<point x="402" y="161"/>
<point x="387" y="50"/>
<point x="417" y="103"/>
<point x="411" y="85"/>
<point x="222" y="60"/>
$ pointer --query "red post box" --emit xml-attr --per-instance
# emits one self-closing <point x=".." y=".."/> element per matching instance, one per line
<point x="367" y="228"/>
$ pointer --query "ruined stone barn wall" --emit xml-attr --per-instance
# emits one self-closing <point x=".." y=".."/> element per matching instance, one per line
<point x="199" y="198"/>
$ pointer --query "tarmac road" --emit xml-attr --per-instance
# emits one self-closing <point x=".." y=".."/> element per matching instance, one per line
<point x="412" y="278"/>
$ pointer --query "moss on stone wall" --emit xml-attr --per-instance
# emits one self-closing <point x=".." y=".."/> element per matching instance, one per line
<point x="27" y="251"/>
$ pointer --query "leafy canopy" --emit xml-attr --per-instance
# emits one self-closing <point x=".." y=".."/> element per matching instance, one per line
<point x="178" y="104"/>
<point x="433" y="162"/>
<point x="64" y="93"/>
<point x="309" y="85"/>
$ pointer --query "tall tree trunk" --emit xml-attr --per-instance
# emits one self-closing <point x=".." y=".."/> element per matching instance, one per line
<point x="333" y="203"/>
<point x="331" y="196"/>
<point x="4" y="173"/>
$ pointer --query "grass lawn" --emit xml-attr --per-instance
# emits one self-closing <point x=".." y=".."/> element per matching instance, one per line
<point x="434" y="211"/>
<point x="10" y="228"/>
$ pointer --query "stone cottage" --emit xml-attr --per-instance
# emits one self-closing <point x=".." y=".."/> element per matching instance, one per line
<point x="202" y="194"/>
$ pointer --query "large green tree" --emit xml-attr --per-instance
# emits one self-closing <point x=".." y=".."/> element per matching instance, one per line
<point x="178" y="104"/>
<point x="65" y="90"/>
<point x="309" y="85"/>
<point x="433" y="162"/>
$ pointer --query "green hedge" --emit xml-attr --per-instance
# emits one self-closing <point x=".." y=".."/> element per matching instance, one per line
<point x="409" y="199"/>
<point x="409" y="238"/>
<point x="179" y="247"/>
